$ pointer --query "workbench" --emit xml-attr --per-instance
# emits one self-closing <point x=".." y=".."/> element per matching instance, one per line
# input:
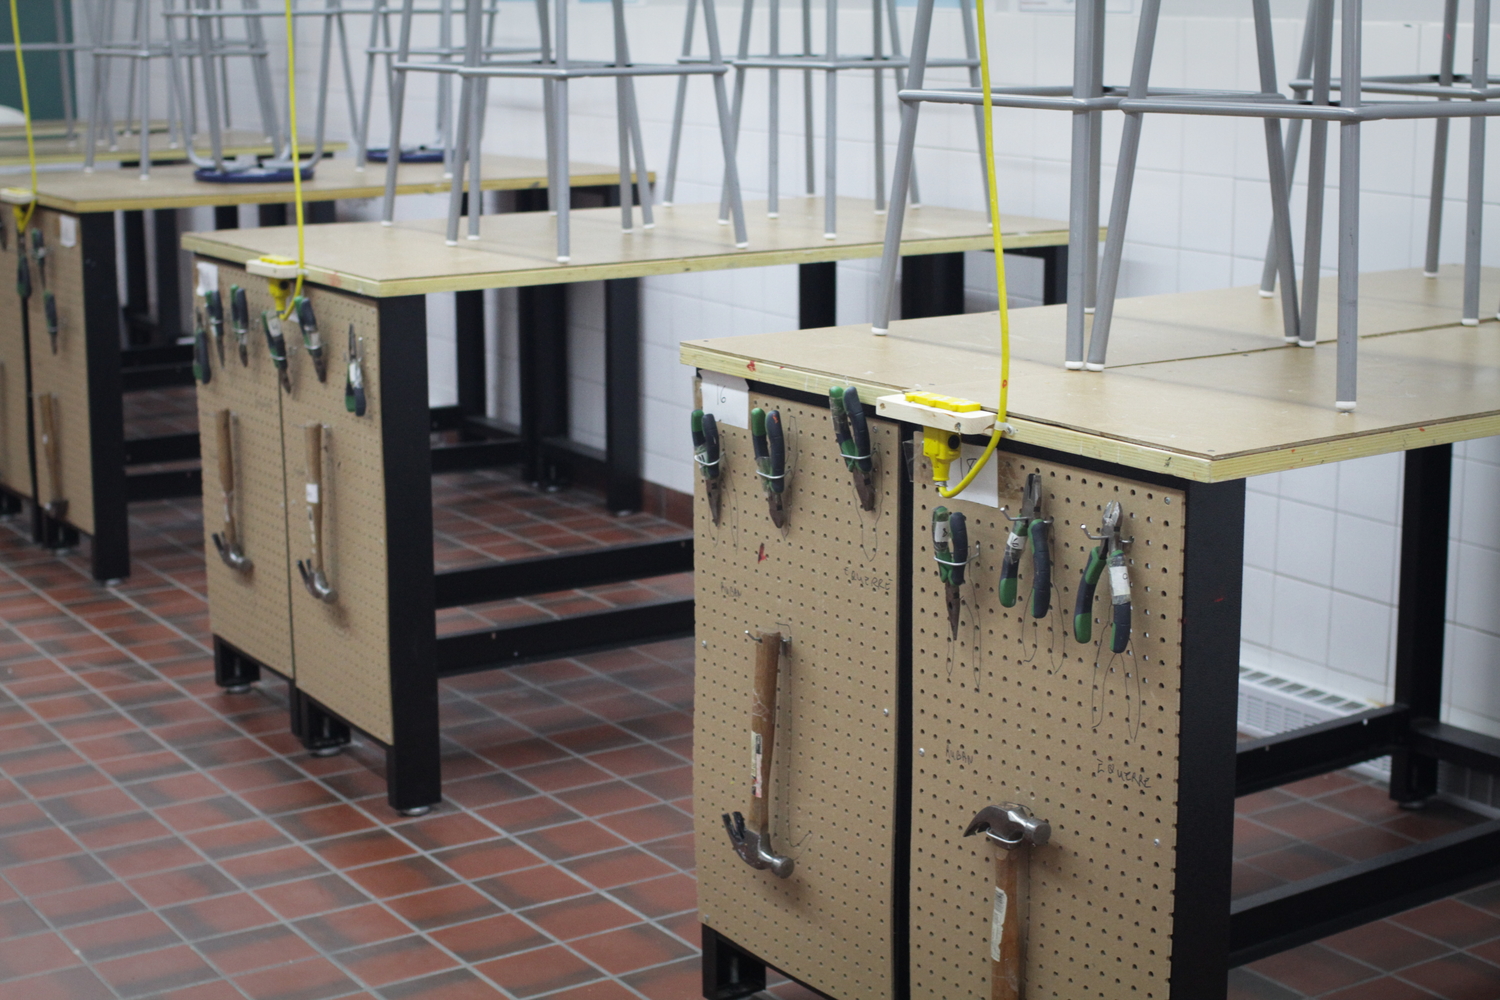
<point x="56" y="149"/>
<point x="378" y="275"/>
<point x="1131" y="757"/>
<point x="92" y="369"/>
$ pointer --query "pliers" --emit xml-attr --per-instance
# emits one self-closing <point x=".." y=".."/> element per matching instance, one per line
<point x="950" y="547"/>
<point x="705" y="430"/>
<point x="239" y="315"/>
<point x="1031" y="525"/>
<point x="770" y="460"/>
<point x="852" y="434"/>
<point x="214" y="304"/>
<point x="1108" y="553"/>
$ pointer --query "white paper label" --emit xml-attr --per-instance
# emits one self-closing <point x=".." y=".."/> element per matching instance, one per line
<point x="985" y="489"/>
<point x="208" y="277"/>
<point x="67" y="230"/>
<point x="312" y="492"/>
<point x="727" y="398"/>
<point x="273" y="323"/>
<point x="757" y="749"/>
<point x="1119" y="581"/>
<point x="997" y="925"/>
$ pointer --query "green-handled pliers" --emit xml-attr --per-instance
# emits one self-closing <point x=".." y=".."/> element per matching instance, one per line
<point x="1030" y="525"/>
<point x="950" y="547"/>
<point x="1108" y="554"/>
<point x="852" y="434"/>
<point x="769" y="442"/>
<point x="705" y="431"/>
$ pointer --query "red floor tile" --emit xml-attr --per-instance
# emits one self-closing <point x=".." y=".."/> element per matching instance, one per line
<point x="541" y="971"/>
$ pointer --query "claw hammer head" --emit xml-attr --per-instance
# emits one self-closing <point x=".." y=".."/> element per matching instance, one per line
<point x="754" y="850"/>
<point x="1010" y="825"/>
<point x="233" y="557"/>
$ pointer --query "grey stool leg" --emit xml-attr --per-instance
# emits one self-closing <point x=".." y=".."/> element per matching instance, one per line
<point x="1317" y="173"/>
<point x="1351" y="71"/>
<point x="1475" y="229"/>
<point x="1086" y="21"/>
<point x="1293" y="140"/>
<point x="1440" y="144"/>
<point x="901" y="173"/>
<point x="1119" y="212"/>
<point x="1281" y="212"/>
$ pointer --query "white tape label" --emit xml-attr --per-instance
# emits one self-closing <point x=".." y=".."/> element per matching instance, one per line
<point x="985" y="489"/>
<point x="208" y="277"/>
<point x="727" y="398"/>
<point x="312" y="492"/>
<point x="757" y="752"/>
<point x="67" y="230"/>
<point x="1119" y="581"/>
<point x="997" y="925"/>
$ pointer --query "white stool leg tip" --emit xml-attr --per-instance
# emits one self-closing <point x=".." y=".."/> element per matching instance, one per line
<point x="1307" y="343"/>
<point x="1073" y="366"/>
<point x="1091" y="366"/>
<point x="563" y="260"/>
<point x="741" y="246"/>
<point x="1469" y="322"/>
<point x="879" y="331"/>
<point x="1344" y="406"/>
<point x="1267" y="295"/>
<point x="1429" y="274"/>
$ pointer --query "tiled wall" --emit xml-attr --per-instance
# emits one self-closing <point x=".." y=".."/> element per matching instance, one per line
<point x="1321" y="543"/>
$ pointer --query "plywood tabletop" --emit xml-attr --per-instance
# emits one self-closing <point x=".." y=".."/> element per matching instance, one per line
<point x="60" y="149"/>
<point x="334" y="179"/>
<point x="412" y="258"/>
<point x="1171" y="402"/>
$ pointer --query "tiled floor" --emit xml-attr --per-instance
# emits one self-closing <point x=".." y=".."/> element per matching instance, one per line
<point x="159" y="838"/>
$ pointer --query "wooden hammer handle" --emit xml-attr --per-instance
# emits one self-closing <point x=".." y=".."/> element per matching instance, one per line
<point x="763" y="725"/>
<point x="47" y="403"/>
<point x="225" y="424"/>
<point x="1008" y="927"/>
<point x="315" y="491"/>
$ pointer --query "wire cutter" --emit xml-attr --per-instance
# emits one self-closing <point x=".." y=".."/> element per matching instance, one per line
<point x="239" y="316"/>
<point x="355" y="399"/>
<point x="1108" y="553"/>
<point x="852" y="434"/>
<point x="1030" y="525"/>
<point x="950" y="547"/>
<point x="202" y="370"/>
<point x="311" y="337"/>
<point x="706" y="455"/>
<point x="276" y="344"/>
<point x="770" y="460"/>
<point x="214" y="304"/>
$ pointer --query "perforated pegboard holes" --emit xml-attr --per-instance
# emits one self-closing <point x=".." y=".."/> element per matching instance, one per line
<point x="249" y="610"/>
<point x="1018" y="709"/>
<point x="342" y="648"/>
<point x="14" y="469"/>
<point x="828" y="581"/>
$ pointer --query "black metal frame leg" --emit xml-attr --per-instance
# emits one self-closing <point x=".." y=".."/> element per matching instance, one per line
<point x="168" y="280"/>
<point x="101" y="323"/>
<point x="233" y="669"/>
<point x="932" y="285"/>
<point x="817" y="295"/>
<point x="542" y="319"/>
<point x="1054" y="271"/>
<point x="622" y="394"/>
<point x="729" y="972"/>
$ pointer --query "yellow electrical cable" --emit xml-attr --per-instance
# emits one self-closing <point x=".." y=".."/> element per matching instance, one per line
<point x="989" y="163"/>
<point x="291" y="90"/>
<point x="24" y="219"/>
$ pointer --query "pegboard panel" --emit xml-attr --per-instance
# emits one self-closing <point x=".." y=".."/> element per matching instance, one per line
<point x="829" y="579"/>
<point x="15" y="469"/>
<point x="343" y="648"/>
<point x="65" y="373"/>
<point x="1017" y="710"/>
<point x="250" y="610"/>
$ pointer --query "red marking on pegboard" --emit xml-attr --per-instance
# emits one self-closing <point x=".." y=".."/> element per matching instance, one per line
<point x="762" y="556"/>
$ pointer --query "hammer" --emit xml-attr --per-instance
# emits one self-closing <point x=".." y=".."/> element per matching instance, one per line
<point x="1015" y="828"/>
<point x="313" y="576"/>
<point x="753" y="845"/>
<point x="228" y="542"/>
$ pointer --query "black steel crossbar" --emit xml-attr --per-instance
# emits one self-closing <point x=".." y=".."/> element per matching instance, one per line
<point x="161" y="448"/>
<point x="1313" y="750"/>
<point x="1294" y="914"/>
<point x="164" y="485"/>
<point x="466" y="455"/>
<point x="545" y="574"/>
<point x="493" y="649"/>
<point x="1440" y="741"/>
